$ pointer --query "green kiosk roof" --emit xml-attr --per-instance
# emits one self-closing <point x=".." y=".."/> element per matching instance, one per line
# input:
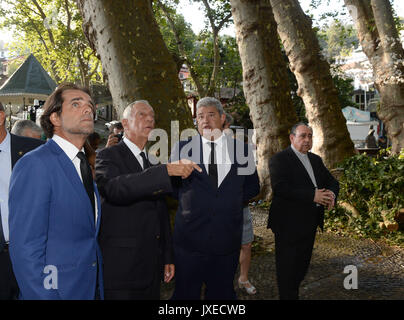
<point x="30" y="77"/>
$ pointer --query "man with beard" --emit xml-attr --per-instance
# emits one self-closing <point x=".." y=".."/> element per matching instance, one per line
<point x="55" y="207"/>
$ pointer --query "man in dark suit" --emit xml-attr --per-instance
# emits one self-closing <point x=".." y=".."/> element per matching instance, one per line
<point x="135" y="230"/>
<point x="209" y="220"/>
<point x="55" y="206"/>
<point x="12" y="148"/>
<point x="302" y="187"/>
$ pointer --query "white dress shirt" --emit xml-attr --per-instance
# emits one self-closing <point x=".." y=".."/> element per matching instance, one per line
<point x="5" y="175"/>
<point x="135" y="150"/>
<point x="222" y="157"/>
<point x="71" y="152"/>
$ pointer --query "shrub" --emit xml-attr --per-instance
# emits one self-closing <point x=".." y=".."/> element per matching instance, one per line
<point x="375" y="187"/>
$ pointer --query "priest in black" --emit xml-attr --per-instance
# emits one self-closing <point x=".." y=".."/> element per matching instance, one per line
<point x="302" y="187"/>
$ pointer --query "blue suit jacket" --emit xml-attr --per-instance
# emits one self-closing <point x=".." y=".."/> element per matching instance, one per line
<point x="209" y="220"/>
<point x="52" y="225"/>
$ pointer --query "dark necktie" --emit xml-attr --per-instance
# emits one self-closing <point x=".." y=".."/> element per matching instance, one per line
<point x="87" y="177"/>
<point x="145" y="161"/>
<point x="213" y="165"/>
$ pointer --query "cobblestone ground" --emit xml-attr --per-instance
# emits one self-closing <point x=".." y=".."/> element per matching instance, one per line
<point x="380" y="268"/>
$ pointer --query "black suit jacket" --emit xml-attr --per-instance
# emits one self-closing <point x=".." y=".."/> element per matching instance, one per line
<point x="22" y="145"/>
<point x="292" y="209"/>
<point x="135" y="232"/>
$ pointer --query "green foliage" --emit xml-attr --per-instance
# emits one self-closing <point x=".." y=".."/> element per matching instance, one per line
<point x="344" y="86"/>
<point x="338" y="39"/>
<point x="372" y="186"/>
<point x="52" y="32"/>
<point x="239" y="110"/>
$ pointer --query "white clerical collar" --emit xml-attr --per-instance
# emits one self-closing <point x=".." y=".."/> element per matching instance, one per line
<point x="298" y="153"/>
<point x="133" y="147"/>
<point x="219" y="141"/>
<point x="69" y="148"/>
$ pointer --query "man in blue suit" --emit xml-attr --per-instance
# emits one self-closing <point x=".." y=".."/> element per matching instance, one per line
<point x="209" y="220"/>
<point x="55" y="207"/>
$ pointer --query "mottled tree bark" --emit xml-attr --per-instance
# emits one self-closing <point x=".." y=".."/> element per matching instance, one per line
<point x="331" y="137"/>
<point x="380" y="41"/>
<point x="135" y="58"/>
<point x="265" y="81"/>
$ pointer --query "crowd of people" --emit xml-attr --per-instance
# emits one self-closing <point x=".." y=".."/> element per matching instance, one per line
<point x="83" y="222"/>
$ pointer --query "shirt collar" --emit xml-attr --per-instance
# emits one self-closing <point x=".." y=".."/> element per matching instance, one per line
<point x="69" y="148"/>
<point x="219" y="141"/>
<point x="133" y="147"/>
<point x="5" y="145"/>
<point x="298" y="153"/>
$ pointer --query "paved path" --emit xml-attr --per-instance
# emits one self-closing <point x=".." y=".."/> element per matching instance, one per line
<point x="380" y="268"/>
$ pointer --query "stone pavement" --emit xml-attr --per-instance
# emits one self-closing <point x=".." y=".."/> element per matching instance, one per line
<point x="380" y="268"/>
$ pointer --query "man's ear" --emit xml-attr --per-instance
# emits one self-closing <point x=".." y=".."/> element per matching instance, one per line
<point x="55" y="119"/>
<point x="124" y="123"/>
<point x="223" y="119"/>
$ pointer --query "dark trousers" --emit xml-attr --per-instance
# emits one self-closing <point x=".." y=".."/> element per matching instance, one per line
<point x="8" y="284"/>
<point x="194" y="269"/>
<point x="292" y="262"/>
<point x="152" y="292"/>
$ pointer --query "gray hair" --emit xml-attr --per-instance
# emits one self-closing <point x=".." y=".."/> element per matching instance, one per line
<point x="293" y="130"/>
<point x="127" y="113"/>
<point x="210" y="102"/>
<point x="21" y="125"/>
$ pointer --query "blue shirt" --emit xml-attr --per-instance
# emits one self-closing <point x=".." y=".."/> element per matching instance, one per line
<point x="5" y="169"/>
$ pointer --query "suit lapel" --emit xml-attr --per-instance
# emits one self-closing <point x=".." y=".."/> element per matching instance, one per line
<point x="315" y="169"/>
<point x="129" y="158"/>
<point x="97" y="226"/>
<point x="300" y="166"/>
<point x="231" y="150"/>
<point x="16" y="151"/>
<point x="72" y="176"/>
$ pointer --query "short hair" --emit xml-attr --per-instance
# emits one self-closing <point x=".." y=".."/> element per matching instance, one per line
<point x="127" y="113"/>
<point x="210" y="102"/>
<point x="54" y="104"/>
<point x="21" y="125"/>
<point x="293" y="130"/>
<point x="229" y="118"/>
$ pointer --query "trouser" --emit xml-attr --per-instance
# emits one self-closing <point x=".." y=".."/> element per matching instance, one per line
<point x="292" y="262"/>
<point x="194" y="269"/>
<point x="8" y="284"/>
<point x="152" y="292"/>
